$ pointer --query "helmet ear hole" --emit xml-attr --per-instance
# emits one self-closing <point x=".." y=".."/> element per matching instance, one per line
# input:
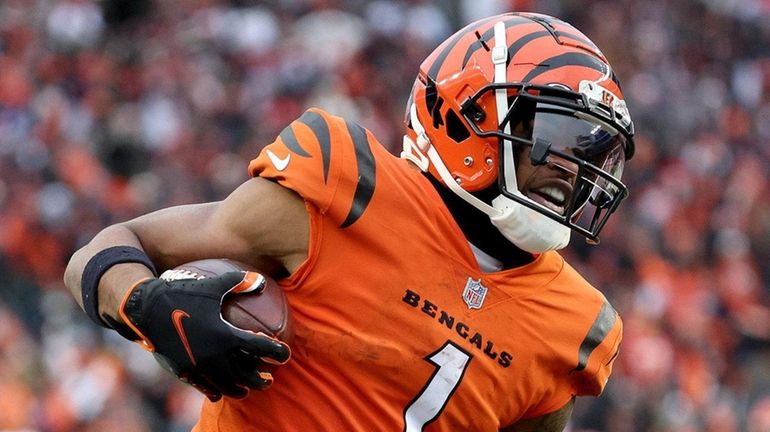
<point x="456" y="130"/>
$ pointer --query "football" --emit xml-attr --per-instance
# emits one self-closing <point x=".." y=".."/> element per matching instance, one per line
<point x="267" y="312"/>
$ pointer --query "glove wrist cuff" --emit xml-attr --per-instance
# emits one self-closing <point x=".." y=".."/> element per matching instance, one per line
<point x="131" y="313"/>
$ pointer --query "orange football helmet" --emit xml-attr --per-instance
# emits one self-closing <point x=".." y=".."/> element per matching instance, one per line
<point x="527" y="69"/>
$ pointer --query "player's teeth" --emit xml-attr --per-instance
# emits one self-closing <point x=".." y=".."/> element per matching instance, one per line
<point x="554" y="193"/>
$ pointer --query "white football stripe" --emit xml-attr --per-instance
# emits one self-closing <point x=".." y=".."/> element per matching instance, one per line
<point x="258" y="282"/>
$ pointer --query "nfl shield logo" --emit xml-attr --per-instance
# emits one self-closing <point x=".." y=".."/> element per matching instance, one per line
<point x="474" y="293"/>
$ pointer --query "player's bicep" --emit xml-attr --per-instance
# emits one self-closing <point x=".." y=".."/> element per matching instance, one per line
<point x="267" y="220"/>
<point x="261" y="224"/>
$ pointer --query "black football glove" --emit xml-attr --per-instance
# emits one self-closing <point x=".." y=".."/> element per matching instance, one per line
<point x="180" y="321"/>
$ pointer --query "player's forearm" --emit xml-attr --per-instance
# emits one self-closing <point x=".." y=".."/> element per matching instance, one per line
<point x="117" y="279"/>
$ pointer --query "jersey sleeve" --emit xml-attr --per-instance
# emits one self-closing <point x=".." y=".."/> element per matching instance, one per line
<point x="586" y="349"/>
<point x="597" y="352"/>
<point x="327" y="160"/>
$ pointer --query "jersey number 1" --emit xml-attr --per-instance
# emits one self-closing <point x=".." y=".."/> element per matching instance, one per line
<point x="450" y="362"/>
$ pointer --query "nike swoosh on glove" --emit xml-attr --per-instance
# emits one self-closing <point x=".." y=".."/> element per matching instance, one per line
<point x="180" y="321"/>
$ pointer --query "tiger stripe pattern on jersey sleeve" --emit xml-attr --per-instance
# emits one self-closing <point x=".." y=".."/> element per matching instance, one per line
<point x="366" y="173"/>
<point x="334" y="166"/>
<point x="597" y="352"/>
<point x="289" y="139"/>
<point x="598" y="332"/>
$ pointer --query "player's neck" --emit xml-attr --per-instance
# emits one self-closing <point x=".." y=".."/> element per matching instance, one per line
<point x="480" y="232"/>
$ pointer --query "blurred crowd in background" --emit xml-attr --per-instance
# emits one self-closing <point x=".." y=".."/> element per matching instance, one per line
<point x="110" y="109"/>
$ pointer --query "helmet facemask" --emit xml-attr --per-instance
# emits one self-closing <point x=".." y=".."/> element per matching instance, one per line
<point x="551" y="126"/>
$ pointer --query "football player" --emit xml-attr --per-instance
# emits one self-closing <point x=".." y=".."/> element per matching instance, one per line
<point x="426" y="290"/>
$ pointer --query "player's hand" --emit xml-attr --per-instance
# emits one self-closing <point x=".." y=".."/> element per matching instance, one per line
<point x="180" y="321"/>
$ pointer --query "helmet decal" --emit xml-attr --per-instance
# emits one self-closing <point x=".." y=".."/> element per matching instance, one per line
<point x="433" y="72"/>
<point x="484" y="40"/>
<point x="570" y="59"/>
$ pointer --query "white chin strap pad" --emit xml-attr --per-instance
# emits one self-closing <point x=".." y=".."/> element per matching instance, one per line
<point x="527" y="229"/>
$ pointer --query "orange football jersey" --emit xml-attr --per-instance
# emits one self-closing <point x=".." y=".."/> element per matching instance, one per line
<point x="396" y="327"/>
